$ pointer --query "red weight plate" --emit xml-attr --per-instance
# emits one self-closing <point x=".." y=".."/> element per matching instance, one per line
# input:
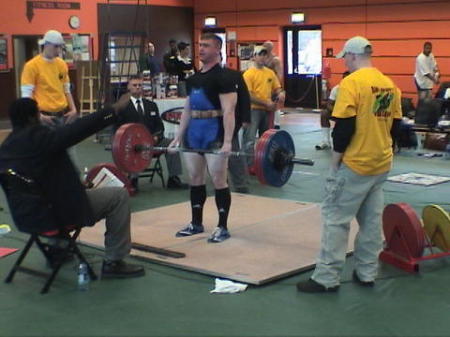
<point x="260" y="151"/>
<point x="124" y="152"/>
<point x="401" y="218"/>
<point x="273" y="148"/>
<point x="114" y="170"/>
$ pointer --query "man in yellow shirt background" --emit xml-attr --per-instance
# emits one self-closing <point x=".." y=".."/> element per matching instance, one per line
<point x="367" y="114"/>
<point x="45" y="78"/>
<point x="263" y="85"/>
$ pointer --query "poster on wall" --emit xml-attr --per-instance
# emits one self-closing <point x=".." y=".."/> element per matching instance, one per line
<point x="309" y="52"/>
<point x="3" y="54"/>
<point x="76" y="48"/>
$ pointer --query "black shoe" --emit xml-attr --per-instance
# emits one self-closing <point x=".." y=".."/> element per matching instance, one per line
<point x="243" y="189"/>
<point x="356" y="279"/>
<point x="175" y="183"/>
<point x="121" y="269"/>
<point x="312" y="286"/>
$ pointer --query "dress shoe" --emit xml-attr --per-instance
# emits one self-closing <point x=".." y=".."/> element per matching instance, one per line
<point x="121" y="269"/>
<point x="357" y="280"/>
<point x="312" y="286"/>
<point x="174" y="182"/>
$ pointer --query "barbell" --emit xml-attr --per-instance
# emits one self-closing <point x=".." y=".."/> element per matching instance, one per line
<point x="274" y="155"/>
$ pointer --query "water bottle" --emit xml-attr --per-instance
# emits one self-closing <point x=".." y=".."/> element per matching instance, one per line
<point x="447" y="152"/>
<point x="83" y="277"/>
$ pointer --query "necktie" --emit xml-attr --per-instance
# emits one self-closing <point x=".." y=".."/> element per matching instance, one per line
<point x="139" y="107"/>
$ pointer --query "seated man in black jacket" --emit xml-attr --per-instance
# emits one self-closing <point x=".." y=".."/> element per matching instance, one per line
<point x="143" y="111"/>
<point x="59" y="198"/>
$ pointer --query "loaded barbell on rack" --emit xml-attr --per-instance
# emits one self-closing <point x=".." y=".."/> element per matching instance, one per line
<point x="274" y="155"/>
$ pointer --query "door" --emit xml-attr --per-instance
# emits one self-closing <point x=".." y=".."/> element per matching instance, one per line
<point x="302" y="65"/>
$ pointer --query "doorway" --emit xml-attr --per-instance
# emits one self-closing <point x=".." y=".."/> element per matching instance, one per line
<point x="303" y="65"/>
<point x="25" y="48"/>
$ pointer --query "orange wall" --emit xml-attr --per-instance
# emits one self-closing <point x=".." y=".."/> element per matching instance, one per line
<point x="397" y="28"/>
<point x="13" y="20"/>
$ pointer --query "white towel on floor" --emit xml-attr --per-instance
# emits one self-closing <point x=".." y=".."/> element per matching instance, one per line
<point x="228" y="287"/>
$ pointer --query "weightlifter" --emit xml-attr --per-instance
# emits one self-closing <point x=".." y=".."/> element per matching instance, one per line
<point x="367" y="114"/>
<point x="207" y="123"/>
<point x="56" y="197"/>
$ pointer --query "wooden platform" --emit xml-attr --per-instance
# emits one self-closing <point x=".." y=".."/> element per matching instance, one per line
<point x="270" y="238"/>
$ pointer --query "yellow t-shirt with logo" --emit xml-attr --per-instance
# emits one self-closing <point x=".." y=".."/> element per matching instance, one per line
<point x="375" y="101"/>
<point x="48" y="79"/>
<point x="261" y="83"/>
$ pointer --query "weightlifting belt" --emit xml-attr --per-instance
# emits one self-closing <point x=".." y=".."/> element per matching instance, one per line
<point x="206" y="113"/>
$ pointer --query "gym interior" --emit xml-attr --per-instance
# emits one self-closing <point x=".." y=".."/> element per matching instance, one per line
<point x="172" y="301"/>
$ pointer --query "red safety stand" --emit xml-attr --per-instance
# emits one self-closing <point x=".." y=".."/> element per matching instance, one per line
<point x="405" y="238"/>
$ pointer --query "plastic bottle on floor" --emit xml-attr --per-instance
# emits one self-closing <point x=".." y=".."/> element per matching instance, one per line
<point x="83" y="277"/>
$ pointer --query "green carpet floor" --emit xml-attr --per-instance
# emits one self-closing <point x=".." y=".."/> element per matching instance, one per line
<point x="171" y="302"/>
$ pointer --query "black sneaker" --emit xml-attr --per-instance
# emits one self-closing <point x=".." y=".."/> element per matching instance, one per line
<point x="220" y="234"/>
<point x="357" y="280"/>
<point x="312" y="286"/>
<point x="121" y="269"/>
<point x="175" y="183"/>
<point x="190" y="230"/>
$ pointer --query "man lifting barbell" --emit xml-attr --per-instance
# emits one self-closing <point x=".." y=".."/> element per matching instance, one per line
<point x="207" y="122"/>
<point x="273" y="156"/>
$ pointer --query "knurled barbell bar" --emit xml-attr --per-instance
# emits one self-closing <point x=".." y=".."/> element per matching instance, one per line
<point x="274" y="155"/>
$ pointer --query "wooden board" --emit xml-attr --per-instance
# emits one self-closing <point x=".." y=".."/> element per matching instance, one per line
<point x="270" y="238"/>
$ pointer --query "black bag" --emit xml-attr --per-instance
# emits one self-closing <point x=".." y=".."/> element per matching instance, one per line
<point x="406" y="137"/>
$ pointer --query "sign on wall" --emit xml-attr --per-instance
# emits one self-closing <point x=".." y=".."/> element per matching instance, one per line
<point x="32" y="5"/>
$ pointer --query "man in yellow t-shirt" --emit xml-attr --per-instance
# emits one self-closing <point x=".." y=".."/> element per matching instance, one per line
<point x="263" y="85"/>
<point x="367" y="113"/>
<point x="45" y="78"/>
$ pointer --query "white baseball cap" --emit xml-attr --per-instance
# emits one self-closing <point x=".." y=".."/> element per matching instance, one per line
<point x="53" y="37"/>
<point x="258" y="49"/>
<point x="355" y="45"/>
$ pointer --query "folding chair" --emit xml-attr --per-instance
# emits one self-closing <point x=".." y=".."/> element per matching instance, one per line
<point x="69" y="238"/>
<point x="13" y="182"/>
<point x="155" y="169"/>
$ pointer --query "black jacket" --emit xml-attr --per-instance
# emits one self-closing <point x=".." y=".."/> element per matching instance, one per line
<point x="150" y="119"/>
<point x="39" y="153"/>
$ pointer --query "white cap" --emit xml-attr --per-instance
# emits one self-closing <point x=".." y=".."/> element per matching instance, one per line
<point x="355" y="45"/>
<point x="258" y="49"/>
<point x="53" y="37"/>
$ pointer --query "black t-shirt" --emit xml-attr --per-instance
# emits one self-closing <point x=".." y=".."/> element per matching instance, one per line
<point x="204" y="88"/>
<point x="242" y="111"/>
